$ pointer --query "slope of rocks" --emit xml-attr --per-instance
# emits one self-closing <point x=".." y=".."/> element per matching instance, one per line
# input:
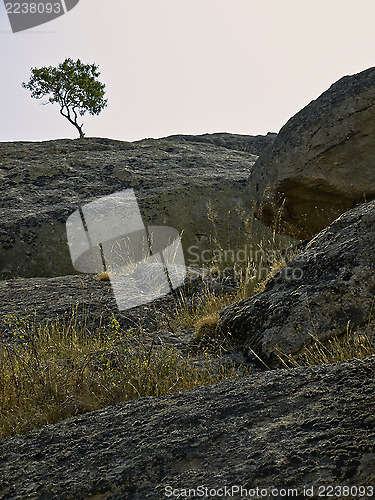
<point x="271" y="432"/>
<point x="326" y="290"/>
<point x="285" y="429"/>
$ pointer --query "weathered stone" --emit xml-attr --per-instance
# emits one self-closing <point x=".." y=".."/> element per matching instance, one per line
<point x="253" y="144"/>
<point x="322" y="161"/>
<point x="174" y="179"/>
<point x="90" y="303"/>
<point x="80" y="299"/>
<point x="324" y="290"/>
<point x="284" y="429"/>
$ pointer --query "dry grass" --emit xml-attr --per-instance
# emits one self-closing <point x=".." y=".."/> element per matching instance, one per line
<point x="64" y="370"/>
<point x="352" y="345"/>
<point x="252" y="276"/>
<point x="189" y="313"/>
<point x="261" y="256"/>
<point x="207" y="327"/>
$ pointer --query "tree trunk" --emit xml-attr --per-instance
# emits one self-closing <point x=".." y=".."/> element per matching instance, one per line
<point x="73" y="122"/>
<point x="81" y="133"/>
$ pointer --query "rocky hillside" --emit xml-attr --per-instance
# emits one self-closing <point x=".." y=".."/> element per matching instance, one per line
<point x="326" y="290"/>
<point x="306" y="432"/>
<point x="285" y="429"/>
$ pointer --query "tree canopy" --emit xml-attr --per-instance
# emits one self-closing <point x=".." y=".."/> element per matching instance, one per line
<point x="73" y="85"/>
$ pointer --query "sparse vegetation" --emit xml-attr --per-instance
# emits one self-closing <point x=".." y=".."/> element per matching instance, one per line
<point x="64" y="370"/>
<point x="189" y="313"/>
<point x="60" y="369"/>
<point x="352" y="345"/>
<point x="246" y="259"/>
<point x="56" y="370"/>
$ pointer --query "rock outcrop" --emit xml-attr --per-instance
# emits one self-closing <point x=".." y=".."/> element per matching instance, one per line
<point x="174" y="179"/>
<point x="322" y="162"/>
<point x="253" y="144"/>
<point x="321" y="292"/>
<point x="271" y="434"/>
<point x="286" y="429"/>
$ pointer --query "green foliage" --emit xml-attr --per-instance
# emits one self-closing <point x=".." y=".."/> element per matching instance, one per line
<point x="73" y="86"/>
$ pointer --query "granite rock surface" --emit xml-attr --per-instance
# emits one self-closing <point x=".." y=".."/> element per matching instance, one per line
<point x="175" y="181"/>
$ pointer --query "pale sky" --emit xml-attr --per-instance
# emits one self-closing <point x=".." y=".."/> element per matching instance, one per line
<point x="187" y="66"/>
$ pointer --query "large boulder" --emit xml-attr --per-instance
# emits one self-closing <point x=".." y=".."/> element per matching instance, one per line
<point x="322" y="162"/>
<point x="273" y="434"/>
<point x="174" y="180"/>
<point x="324" y="291"/>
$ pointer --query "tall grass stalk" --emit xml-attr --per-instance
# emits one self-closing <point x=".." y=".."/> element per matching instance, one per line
<point x="246" y="256"/>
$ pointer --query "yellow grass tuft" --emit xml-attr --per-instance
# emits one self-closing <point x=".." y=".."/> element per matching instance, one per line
<point x="207" y="327"/>
<point x="102" y="276"/>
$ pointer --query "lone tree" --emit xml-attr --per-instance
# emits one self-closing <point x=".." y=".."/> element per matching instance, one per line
<point x="73" y="85"/>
